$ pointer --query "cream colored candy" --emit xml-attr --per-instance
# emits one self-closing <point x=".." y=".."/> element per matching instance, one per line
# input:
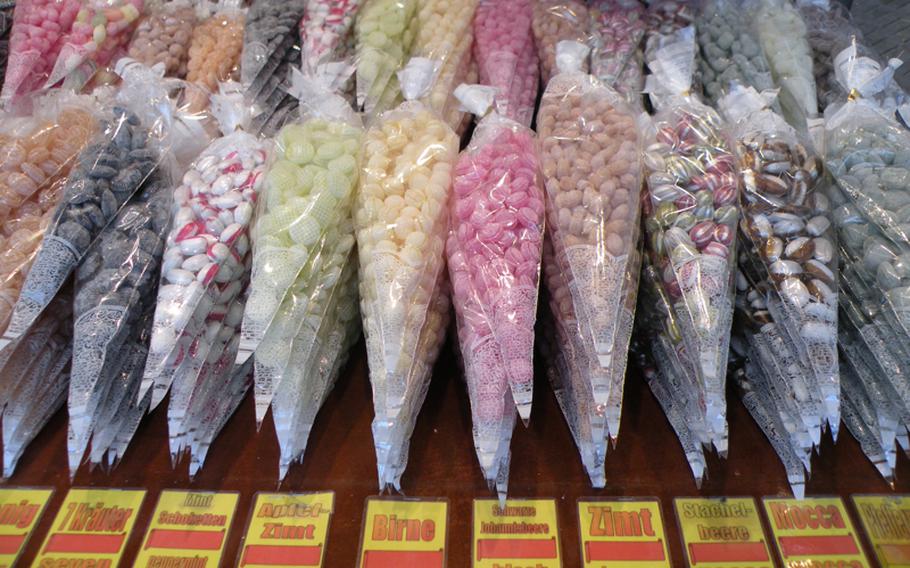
<point x="446" y="34"/>
<point x="401" y="219"/>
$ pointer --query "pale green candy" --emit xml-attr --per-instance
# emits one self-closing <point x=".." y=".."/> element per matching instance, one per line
<point x="324" y="208"/>
<point x="305" y="231"/>
<point x="281" y="218"/>
<point x="343" y="165"/>
<point x="284" y="176"/>
<point x="290" y="134"/>
<point x="299" y="205"/>
<point x="311" y="177"/>
<point x="377" y="39"/>
<point x="338" y="184"/>
<point x="329" y="151"/>
<point x="266" y="242"/>
<point x="300" y="152"/>
<point x="352" y="146"/>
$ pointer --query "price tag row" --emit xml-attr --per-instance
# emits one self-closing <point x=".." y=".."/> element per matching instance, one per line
<point x="190" y="528"/>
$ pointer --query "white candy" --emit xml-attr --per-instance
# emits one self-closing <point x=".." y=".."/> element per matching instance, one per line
<point x="193" y="246"/>
<point x="179" y="276"/>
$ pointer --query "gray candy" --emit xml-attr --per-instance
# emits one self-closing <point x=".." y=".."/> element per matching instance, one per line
<point x="729" y="53"/>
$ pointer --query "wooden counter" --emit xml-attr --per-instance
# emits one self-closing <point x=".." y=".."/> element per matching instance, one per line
<point x="648" y="461"/>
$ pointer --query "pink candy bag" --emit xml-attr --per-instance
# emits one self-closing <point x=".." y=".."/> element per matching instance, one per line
<point x="494" y="251"/>
<point x="39" y="29"/>
<point x="101" y="32"/>
<point x="507" y="57"/>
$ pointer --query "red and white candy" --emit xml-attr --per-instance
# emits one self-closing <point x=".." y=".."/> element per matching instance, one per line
<point x="205" y="261"/>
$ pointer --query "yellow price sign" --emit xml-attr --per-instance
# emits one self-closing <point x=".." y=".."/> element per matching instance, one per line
<point x="20" y="510"/>
<point x="188" y="528"/>
<point x="722" y="532"/>
<point x="91" y="528"/>
<point x="814" y="531"/>
<point x="404" y="532"/>
<point x="886" y="520"/>
<point x="288" y="529"/>
<point x="623" y="532"/>
<point x="521" y="534"/>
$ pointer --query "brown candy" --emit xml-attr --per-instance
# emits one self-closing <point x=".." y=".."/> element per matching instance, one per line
<point x="164" y="37"/>
<point x="555" y="21"/>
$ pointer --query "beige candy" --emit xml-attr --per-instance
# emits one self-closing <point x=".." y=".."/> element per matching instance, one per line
<point x="588" y="156"/>
<point x="164" y="37"/>
<point x="555" y="21"/>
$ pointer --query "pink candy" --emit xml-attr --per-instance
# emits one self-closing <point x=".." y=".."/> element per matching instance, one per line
<point x="506" y="55"/>
<point x="35" y="42"/>
<point x="494" y="253"/>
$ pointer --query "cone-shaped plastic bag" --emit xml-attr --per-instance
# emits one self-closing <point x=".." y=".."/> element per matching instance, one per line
<point x="691" y="211"/>
<point x="671" y="378"/>
<point x="106" y="174"/>
<point x="882" y="420"/>
<point x="494" y="254"/>
<point x="556" y="21"/>
<point x="163" y="36"/>
<point x="317" y="355"/>
<point x="215" y="50"/>
<point x="729" y="50"/>
<point x="781" y="33"/>
<point x="590" y="156"/>
<point x="789" y="248"/>
<point x="445" y="34"/>
<point x="100" y="34"/>
<point x="760" y="404"/>
<point x="830" y="31"/>
<point x="567" y="370"/>
<point x="868" y="440"/>
<point x="385" y="31"/>
<point x="303" y="238"/>
<point x="35" y="41"/>
<point x="115" y="292"/>
<point x="206" y="260"/>
<point x="38" y="153"/>
<point x="271" y="45"/>
<point x="653" y="351"/>
<point x="211" y="411"/>
<point x="402" y="221"/>
<point x="869" y="156"/>
<point x="619" y="28"/>
<point x="873" y="339"/>
<point x="507" y="57"/>
<point x="327" y="31"/>
<point x="34" y="382"/>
